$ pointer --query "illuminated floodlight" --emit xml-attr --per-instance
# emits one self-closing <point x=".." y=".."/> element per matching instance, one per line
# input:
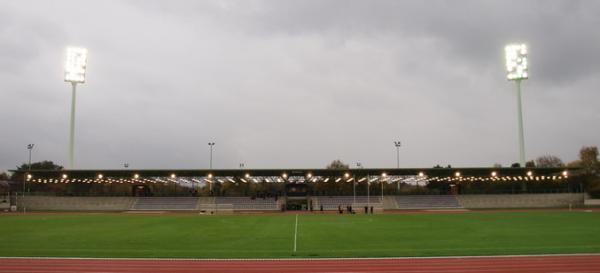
<point x="210" y="175"/>
<point x="64" y="176"/>
<point x="384" y="174"/>
<point x="136" y="176"/>
<point x="75" y="64"/>
<point x="457" y="174"/>
<point x="247" y="175"/>
<point x="100" y="176"/>
<point x="529" y="173"/>
<point x="284" y="175"/>
<point x="494" y="174"/>
<point x="346" y="175"/>
<point x="309" y="175"/>
<point x="516" y="62"/>
<point x="421" y="174"/>
<point x="29" y="176"/>
<point x="173" y="175"/>
<point x="565" y="173"/>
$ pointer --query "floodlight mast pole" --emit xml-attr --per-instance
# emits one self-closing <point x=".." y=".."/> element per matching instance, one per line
<point x="517" y="68"/>
<point x="72" y="126"/>
<point x="29" y="147"/>
<point x="211" y="144"/>
<point x="74" y="73"/>
<point x="521" y="134"/>
<point x="398" y="144"/>
<point x="368" y="191"/>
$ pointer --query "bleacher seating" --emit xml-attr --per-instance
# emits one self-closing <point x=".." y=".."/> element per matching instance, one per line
<point x="247" y="203"/>
<point x="551" y="200"/>
<point x="425" y="201"/>
<point x="332" y="202"/>
<point x="166" y="203"/>
<point x="64" y="203"/>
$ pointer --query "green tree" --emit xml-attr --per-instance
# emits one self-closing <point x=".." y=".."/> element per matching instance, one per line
<point x="588" y="157"/>
<point x="530" y="164"/>
<point x="45" y="165"/>
<point x="549" y="161"/>
<point x="588" y="161"/>
<point x="338" y="165"/>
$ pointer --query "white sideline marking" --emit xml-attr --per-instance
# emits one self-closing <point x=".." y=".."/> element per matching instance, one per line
<point x="296" y="234"/>
<point x="303" y="259"/>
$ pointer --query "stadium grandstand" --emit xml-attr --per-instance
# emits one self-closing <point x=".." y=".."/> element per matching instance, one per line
<point x="314" y="190"/>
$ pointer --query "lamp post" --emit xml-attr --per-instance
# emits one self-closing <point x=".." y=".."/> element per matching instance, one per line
<point x="517" y="70"/>
<point x="368" y="191"/>
<point x="359" y="166"/>
<point x="384" y="178"/>
<point x="30" y="148"/>
<point x="398" y="144"/>
<point x="210" y="144"/>
<point x="75" y="68"/>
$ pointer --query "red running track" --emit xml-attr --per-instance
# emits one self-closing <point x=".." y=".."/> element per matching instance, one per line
<point x="501" y="264"/>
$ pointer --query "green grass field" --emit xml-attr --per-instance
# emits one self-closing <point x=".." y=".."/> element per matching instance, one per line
<point x="260" y="236"/>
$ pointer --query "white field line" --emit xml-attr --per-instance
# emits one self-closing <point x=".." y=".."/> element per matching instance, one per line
<point x="296" y="234"/>
<point x="304" y="259"/>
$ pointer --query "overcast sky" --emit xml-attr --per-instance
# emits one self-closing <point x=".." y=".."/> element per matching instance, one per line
<point x="296" y="84"/>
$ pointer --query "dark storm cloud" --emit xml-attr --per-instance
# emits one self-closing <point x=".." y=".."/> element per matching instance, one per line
<point x="297" y="83"/>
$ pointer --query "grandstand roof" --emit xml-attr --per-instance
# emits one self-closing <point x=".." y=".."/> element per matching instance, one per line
<point x="302" y="175"/>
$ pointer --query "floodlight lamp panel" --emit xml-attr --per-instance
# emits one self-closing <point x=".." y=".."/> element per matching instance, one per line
<point x="516" y="62"/>
<point x="75" y="65"/>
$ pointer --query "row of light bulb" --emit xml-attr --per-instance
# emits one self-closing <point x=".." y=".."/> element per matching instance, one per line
<point x="308" y="175"/>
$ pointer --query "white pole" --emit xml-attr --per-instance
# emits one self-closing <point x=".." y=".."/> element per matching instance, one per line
<point x="296" y="234"/>
<point x="382" y="190"/>
<point x="211" y="149"/>
<point x="398" y="156"/>
<point x="72" y="128"/>
<point x="17" y="196"/>
<point x="29" y="147"/>
<point x="211" y="144"/>
<point x="521" y="135"/>
<point x="368" y="194"/>
<point x="397" y="164"/>
<point x="354" y="190"/>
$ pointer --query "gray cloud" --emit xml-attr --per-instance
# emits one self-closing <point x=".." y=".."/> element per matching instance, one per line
<point x="297" y="83"/>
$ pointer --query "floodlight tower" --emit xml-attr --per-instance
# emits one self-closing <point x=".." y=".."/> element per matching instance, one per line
<point x="75" y="67"/>
<point x="30" y="148"/>
<point x="517" y="70"/>
<point x="398" y="144"/>
<point x="210" y="144"/>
